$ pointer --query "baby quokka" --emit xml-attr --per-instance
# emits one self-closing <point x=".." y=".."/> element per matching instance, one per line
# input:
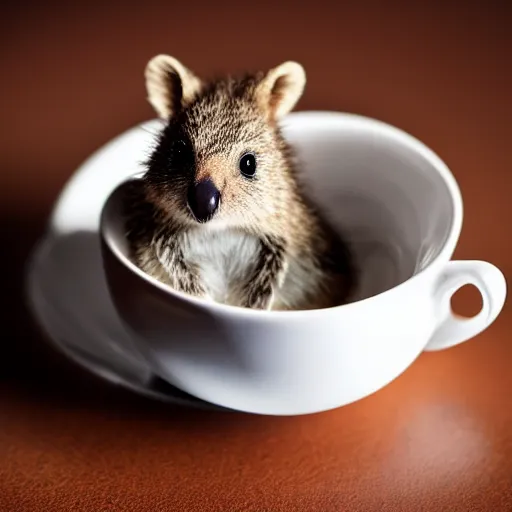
<point x="219" y="213"/>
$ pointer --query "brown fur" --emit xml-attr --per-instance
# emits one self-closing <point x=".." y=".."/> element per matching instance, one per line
<point x="210" y="125"/>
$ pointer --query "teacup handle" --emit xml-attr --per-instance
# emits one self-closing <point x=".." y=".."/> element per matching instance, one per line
<point x="491" y="284"/>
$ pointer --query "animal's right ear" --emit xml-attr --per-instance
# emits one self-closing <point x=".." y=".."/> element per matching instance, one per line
<point x="281" y="88"/>
<point x="170" y="85"/>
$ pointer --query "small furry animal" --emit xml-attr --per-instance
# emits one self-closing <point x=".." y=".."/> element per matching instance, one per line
<point x="219" y="212"/>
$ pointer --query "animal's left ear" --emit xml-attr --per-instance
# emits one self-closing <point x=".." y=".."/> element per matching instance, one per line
<point x="281" y="89"/>
<point x="170" y="85"/>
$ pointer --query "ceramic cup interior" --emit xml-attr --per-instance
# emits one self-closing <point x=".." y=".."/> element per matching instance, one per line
<point x="395" y="211"/>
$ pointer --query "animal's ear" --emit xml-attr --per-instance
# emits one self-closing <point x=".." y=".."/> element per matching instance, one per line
<point x="281" y="89"/>
<point x="170" y="85"/>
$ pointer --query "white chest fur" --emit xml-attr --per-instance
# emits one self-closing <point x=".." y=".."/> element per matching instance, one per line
<point x="225" y="259"/>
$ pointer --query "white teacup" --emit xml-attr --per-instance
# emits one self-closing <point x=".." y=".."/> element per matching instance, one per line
<point x="401" y="209"/>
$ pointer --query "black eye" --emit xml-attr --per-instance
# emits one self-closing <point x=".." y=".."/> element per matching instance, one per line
<point x="181" y="155"/>
<point x="248" y="165"/>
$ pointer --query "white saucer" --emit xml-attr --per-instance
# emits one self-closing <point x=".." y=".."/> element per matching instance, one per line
<point x="66" y="288"/>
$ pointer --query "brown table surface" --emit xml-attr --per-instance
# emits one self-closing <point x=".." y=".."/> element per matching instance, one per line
<point x="439" y="438"/>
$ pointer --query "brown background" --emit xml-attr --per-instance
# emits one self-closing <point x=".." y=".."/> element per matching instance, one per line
<point x="439" y="438"/>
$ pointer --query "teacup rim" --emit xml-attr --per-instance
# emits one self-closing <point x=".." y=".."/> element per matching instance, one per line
<point x="401" y="136"/>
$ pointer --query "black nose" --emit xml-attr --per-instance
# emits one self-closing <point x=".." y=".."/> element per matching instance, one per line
<point x="203" y="200"/>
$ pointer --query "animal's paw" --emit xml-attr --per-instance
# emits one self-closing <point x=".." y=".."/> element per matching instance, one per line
<point x="189" y="284"/>
<point x="259" y="298"/>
